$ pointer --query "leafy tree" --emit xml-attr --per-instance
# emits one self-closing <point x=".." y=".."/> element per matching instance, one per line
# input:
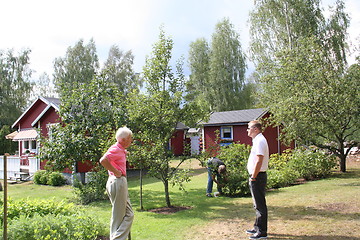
<point x="15" y="85"/>
<point x="43" y="87"/>
<point x="279" y="24"/>
<point x="217" y="79"/>
<point x="227" y="68"/>
<point x="301" y="65"/>
<point x="321" y="105"/>
<point x="198" y="84"/>
<point x="90" y="117"/>
<point x="154" y="115"/>
<point x="6" y="145"/>
<point x="77" y="68"/>
<point x="122" y="73"/>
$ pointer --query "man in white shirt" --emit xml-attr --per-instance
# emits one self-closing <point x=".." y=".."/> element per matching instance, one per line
<point x="257" y="165"/>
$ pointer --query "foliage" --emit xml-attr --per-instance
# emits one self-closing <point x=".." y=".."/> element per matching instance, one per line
<point x="41" y="177"/>
<point x="235" y="158"/>
<point x="217" y="79"/>
<point x="280" y="172"/>
<point x="76" y="69"/>
<point x="6" y="145"/>
<point x="56" y="179"/>
<point x="94" y="189"/>
<point x="45" y="177"/>
<point x="29" y="208"/>
<point x="90" y="116"/>
<point x="312" y="164"/>
<point x="154" y="115"/>
<point x="301" y="65"/>
<point x="54" y="227"/>
<point x="119" y="70"/>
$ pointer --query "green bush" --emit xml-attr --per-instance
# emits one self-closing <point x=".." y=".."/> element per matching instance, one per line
<point x="235" y="157"/>
<point x="29" y="208"/>
<point x="312" y="164"/>
<point x="44" y="177"/>
<point x="41" y="177"/>
<point x="52" y="227"/>
<point x="280" y="174"/>
<point x="94" y="189"/>
<point x="56" y="179"/>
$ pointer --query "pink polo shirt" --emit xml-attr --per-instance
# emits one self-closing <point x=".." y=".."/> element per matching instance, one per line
<point x="117" y="157"/>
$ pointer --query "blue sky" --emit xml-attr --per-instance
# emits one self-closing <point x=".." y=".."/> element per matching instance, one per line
<point x="48" y="28"/>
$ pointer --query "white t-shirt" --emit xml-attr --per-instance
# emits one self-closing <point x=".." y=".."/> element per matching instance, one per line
<point x="259" y="147"/>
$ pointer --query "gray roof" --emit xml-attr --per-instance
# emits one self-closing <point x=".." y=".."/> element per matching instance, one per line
<point x="237" y="117"/>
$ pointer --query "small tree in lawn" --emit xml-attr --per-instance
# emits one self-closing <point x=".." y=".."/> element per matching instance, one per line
<point x="154" y="115"/>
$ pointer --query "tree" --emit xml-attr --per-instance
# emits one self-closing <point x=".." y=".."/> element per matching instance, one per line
<point x="154" y="115"/>
<point x="122" y="73"/>
<point x="90" y="117"/>
<point x="77" y="68"/>
<point x="217" y="77"/>
<point x="43" y="87"/>
<point x="279" y="24"/>
<point x="301" y="65"/>
<point x="321" y="105"/>
<point x="15" y="85"/>
<point x="198" y="84"/>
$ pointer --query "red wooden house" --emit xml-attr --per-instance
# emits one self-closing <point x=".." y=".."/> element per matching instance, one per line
<point x="232" y="127"/>
<point x="40" y="115"/>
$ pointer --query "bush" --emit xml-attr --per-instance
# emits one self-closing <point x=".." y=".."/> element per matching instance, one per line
<point x="51" y="227"/>
<point x="280" y="174"/>
<point x="40" y="177"/>
<point x="94" y="190"/>
<point x="56" y="179"/>
<point x="312" y="164"/>
<point x="29" y="208"/>
<point x="44" y="177"/>
<point x="235" y="157"/>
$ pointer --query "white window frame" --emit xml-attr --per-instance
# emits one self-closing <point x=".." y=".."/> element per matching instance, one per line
<point x="222" y="132"/>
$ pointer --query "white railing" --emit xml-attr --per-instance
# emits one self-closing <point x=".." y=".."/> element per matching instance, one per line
<point x="14" y="166"/>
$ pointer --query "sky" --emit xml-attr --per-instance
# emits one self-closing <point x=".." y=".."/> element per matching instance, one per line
<point x="49" y="27"/>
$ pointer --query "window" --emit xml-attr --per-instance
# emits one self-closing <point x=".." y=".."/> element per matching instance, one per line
<point x="33" y="144"/>
<point x="26" y="144"/>
<point x="227" y="132"/>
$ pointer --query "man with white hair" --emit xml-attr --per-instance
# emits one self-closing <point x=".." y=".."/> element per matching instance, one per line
<point x="114" y="160"/>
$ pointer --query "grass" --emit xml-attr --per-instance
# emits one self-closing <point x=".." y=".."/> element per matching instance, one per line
<point x="325" y="209"/>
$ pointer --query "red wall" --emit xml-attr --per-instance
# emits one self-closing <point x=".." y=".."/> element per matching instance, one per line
<point x="240" y="135"/>
<point x="177" y="143"/>
<point x="31" y="115"/>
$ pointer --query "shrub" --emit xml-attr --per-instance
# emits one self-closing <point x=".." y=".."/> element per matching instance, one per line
<point x="94" y="189"/>
<point x="280" y="174"/>
<point x="311" y="164"/>
<point x="56" y="179"/>
<point x="40" y="177"/>
<point x="29" y="208"/>
<point x="235" y="157"/>
<point x="44" y="177"/>
<point x="51" y="227"/>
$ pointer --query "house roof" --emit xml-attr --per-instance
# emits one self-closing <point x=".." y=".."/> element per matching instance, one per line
<point x="181" y="126"/>
<point x="238" y="117"/>
<point x="51" y="102"/>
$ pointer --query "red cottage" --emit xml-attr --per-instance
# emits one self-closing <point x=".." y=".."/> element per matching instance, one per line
<point x="232" y="127"/>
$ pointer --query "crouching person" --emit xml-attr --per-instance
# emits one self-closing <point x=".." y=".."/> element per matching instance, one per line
<point x="114" y="160"/>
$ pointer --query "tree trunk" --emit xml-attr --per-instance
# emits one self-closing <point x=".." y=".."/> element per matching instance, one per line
<point x="342" y="162"/>
<point x="167" y="195"/>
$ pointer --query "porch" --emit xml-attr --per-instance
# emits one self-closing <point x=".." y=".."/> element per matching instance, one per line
<point x="19" y="167"/>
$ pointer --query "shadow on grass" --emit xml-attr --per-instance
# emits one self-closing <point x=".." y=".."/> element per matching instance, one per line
<point x="312" y="237"/>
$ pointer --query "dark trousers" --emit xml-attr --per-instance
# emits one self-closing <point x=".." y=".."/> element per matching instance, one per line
<point x="257" y="189"/>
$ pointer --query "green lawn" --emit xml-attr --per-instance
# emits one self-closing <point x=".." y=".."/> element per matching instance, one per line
<point x="325" y="209"/>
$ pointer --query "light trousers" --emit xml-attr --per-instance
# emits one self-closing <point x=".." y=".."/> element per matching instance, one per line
<point x="122" y="214"/>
